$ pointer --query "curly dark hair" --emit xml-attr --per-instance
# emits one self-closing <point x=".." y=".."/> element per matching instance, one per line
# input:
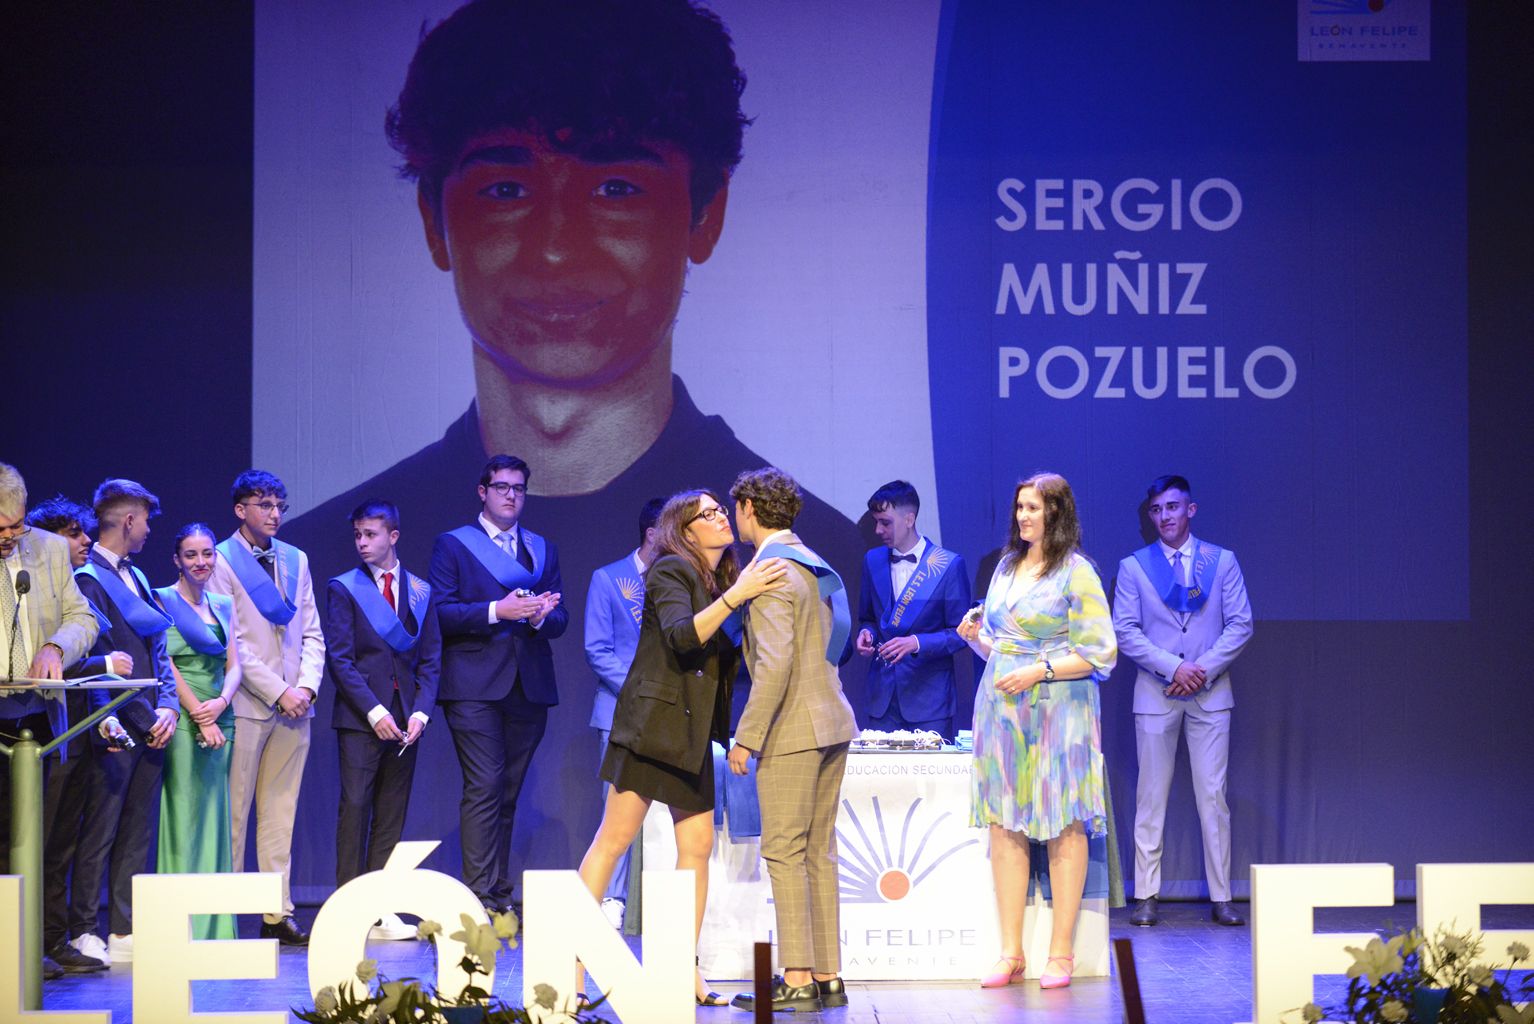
<point x="580" y="73"/>
<point x="1062" y="530"/>
<point x="775" y="497"/>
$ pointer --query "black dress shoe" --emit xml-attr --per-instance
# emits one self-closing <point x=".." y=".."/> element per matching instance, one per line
<point x="51" y="970"/>
<point x="70" y="960"/>
<point x="1224" y="913"/>
<point x="1146" y="912"/>
<point x="832" y="993"/>
<point x="784" y="997"/>
<point x="286" y="932"/>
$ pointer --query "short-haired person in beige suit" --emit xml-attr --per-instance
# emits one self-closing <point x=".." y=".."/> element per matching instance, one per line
<point x="282" y="654"/>
<point x="798" y="724"/>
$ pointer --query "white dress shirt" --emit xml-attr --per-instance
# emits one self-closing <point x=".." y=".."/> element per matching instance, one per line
<point x="23" y="624"/>
<point x="516" y="544"/>
<point x="901" y="572"/>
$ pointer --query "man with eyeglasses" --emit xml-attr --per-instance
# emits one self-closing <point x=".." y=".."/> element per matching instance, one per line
<point x="46" y="626"/>
<point x="282" y="654"/>
<point x="497" y="587"/>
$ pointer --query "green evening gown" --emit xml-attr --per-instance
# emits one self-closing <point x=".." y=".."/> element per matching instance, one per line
<point x="194" y="803"/>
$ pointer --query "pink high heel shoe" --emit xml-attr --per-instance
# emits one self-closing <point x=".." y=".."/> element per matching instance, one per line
<point x="1049" y="980"/>
<point x="1001" y="979"/>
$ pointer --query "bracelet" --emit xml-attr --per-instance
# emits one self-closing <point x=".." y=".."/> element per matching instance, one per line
<point x="725" y="597"/>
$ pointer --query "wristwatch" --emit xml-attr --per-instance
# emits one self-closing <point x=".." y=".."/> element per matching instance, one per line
<point x="1049" y="671"/>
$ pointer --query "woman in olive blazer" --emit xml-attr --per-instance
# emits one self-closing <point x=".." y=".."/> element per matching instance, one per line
<point x="675" y="700"/>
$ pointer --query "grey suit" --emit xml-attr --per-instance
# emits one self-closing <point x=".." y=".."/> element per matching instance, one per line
<point x="799" y="723"/>
<point x="270" y="749"/>
<point x="55" y="612"/>
<point x="1158" y="639"/>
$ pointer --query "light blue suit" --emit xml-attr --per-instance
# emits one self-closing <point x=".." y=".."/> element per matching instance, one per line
<point x="920" y="688"/>
<point x="1158" y="639"/>
<point x="614" y="605"/>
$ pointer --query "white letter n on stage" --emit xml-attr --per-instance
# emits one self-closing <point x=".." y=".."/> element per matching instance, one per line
<point x="564" y="924"/>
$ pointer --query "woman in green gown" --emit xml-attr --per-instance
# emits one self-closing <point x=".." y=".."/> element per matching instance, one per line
<point x="194" y="803"/>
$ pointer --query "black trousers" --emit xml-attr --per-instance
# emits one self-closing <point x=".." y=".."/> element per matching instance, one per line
<point x="375" y="794"/>
<point x="133" y="780"/>
<point x="79" y="828"/>
<point x="495" y="741"/>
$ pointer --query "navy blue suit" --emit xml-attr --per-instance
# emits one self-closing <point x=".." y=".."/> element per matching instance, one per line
<point x="918" y="690"/>
<point x="368" y="672"/>
<point x="497" y="686"/>
<point x="131" y="778"/>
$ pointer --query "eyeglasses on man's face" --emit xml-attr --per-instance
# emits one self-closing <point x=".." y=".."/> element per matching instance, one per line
<point x="17" y="529"/>
<point x="268" y="507"/>
<point x="712" y="514"/>
<point x="503" y="488"/>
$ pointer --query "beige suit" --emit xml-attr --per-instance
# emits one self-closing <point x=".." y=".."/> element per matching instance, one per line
<point x="799" y="723"/>
<point x="270" y="749"/>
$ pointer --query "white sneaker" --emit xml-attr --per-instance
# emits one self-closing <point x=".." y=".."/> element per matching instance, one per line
<point x="120" y="949"/>
<point x="613" y="908"/>
<point x="390" y="929"/>
<point x="91" y="945"/>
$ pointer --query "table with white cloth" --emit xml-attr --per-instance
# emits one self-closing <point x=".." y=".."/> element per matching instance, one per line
<point x="917" y="901"/>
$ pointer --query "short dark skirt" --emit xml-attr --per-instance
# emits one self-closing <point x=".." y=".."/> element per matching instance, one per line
<point x="680" y="790"/>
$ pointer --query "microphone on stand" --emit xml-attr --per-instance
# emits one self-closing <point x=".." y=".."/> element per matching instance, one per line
<point x="23" y="585"/>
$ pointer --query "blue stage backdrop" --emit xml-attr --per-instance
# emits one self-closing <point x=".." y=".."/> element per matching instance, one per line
<point x="967" y="241"/>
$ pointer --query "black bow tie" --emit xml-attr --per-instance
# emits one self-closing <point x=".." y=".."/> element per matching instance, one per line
<point x="902" y="558"/>
<point x="124" y="564"/>
<point x="269" y="556"/>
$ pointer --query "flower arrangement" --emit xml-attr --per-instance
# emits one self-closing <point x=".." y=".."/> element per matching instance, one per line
<point x="1412" y="979"/>
<point x="378" y="1000"/>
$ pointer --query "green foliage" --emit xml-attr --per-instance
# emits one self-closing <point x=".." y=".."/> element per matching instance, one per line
<point x="1390" y="979"/>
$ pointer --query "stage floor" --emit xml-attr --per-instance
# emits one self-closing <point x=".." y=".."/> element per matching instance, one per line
<point x="1192" y="971"/>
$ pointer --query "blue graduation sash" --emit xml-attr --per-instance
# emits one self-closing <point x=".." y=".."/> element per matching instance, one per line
<point x="144" y="617"/>
<point x="1206" y="559"/>
<point x="273" y="605"/>
<point x="630" y="587"/>
<point x="507" y="571"/>
<point x="197" y="633"/>
<point x="831" y="587"/>
<point x="359" y="584"/>
<point x="920" y="587"/>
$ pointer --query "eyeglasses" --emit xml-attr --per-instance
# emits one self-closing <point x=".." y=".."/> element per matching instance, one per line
<point x="712" y="514"/>
<point x="503" y="488"/>
<point x="20" y="529"/>
<point x="268" y="507"/>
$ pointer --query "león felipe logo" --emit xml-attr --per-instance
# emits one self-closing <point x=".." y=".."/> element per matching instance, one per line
<point x="879" y="872"/>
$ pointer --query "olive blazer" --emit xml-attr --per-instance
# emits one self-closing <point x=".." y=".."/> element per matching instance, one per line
<point x="670" y="708"/>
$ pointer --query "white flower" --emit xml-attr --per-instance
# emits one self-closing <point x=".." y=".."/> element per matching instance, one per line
<point x="426" y="929"/>
<point x="506" y="926"/>
<point x="1377" y="959"/>
<point x="325" y="1000"/>
<point x="1452" y="946"/>
<point x="1393" y="1010"/>
<point x="367" y="970"/>
<point x="1480" y="975"/>
<point x="1518" y="951"/>
<point x="389" y="996"/>
<point x="478" y="939"/>
<point x="1311" y="1013"/>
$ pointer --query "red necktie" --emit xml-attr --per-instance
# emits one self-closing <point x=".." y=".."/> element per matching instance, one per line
<point x="389" y="591"/>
